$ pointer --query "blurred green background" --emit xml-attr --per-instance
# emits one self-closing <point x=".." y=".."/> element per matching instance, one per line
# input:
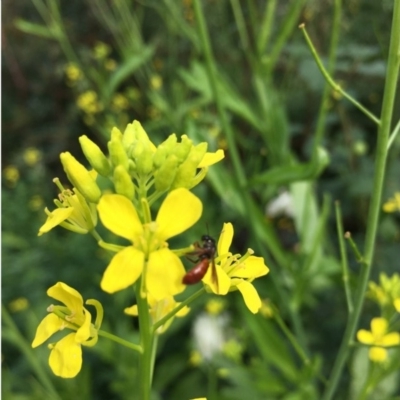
<point x="74" y="68"/>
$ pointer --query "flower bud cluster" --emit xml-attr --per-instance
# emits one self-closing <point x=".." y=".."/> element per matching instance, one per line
<point x="135" y="164"/>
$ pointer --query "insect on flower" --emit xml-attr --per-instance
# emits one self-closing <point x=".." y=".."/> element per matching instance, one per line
<point x="206" y="255"/>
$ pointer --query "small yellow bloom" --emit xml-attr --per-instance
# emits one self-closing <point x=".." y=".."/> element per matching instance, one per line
<point x="32" y="156"/>
<point x="149" y="251"/>
<point x="73" y="213"/>
<point x="215" y="306"/>
<point x="386" y="292"/>
<point x="73" y="72"/>
<point x="393" y="204"/>
<point x="19" y="304"/>
<point x="156" y="82"/>
<point x="89" y="103"/>
<point x="11" y="175"/>
<point x="159" y="309"/>
<point x="35" y="203"/>
<point x="66" y="355"/>
<point x="195" y="358"/>
<point x="120" y="102"/>
<point x="235" y="272"/>
<point x="378" y="339"/>
<point x="101" y="50"/>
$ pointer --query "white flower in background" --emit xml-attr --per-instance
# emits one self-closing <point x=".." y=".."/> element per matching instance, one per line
<point x="282" y="205"/>
<point x="209" y="332"/>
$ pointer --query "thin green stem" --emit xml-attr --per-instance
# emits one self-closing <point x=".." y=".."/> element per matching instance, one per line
<point x="392" y="75"/>
<point x="343" y="256"/>
<point x="331" y="82"/>
<point x="121" y="341"/>
<point x="354" y="247"/>
<point x="323" y="111"/>
<point x="266" y="26"/>
<point x="395" y="132"/>
<point x="172" y="313"/>
<point x="18" y="339"/>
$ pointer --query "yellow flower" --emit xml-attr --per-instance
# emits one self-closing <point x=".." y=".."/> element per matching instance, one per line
<point x="73" y="213"/>
<point x="149" y="252"/>
<point x="101" y="50"/>
<point x="235" y="272"/>
<point x="89" y="103"/>
<point x="32" y="156"/>
<point x="159" y="309"/>
<point x="66" y="355"/>
<point x="19" y="304"/>
<point x="215" y="306"/>
<point x="378" y="339"/>
<point x="73" y="72"/>
<point x="156" y="82"/>
<point x="392" y="204"/>
<point x="120" y="102"/>
<point x="11" y="175"/>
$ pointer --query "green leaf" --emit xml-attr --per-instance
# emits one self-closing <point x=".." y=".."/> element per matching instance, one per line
<point x="34" y="29"/>
<point x="126" y="69"/>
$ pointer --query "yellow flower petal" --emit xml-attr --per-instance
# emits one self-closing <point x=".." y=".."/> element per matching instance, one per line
<point x="391" y="339"/>
<point x="253" y="267"/>
<point x="365" y="336"/>
<point x="68" y="296"/>
<point x="250" y="296"/>
<point x="224" y="282"/>
<point x="179" y="211"/>
<point x="378" y="327"/>
<point x="47" y="327"/>
<point x="165" y="272"/>
<point x="118" y="215"/>
<point x="83" y="333"/>
<point x="377" y="354"/>
<point x="55" y="218"/>
<point x="211" y="158"/>
<point x="397" y="305"/>
<point x="225" y="239"/>
<point x="123" y="270"/>
<point x="66" y="357"/>
<point x="132" y="310"/>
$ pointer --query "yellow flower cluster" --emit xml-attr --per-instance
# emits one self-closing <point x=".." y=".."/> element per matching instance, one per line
<point x="393" y="204"/>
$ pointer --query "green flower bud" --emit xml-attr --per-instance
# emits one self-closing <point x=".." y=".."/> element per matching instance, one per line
<point x="164" y="149"/>
<point x="164" y="176"/>
<point x="116" y="134"/>
<point x="197" y="152"/>
<point x="182" y="149"/>
<point x="80" y="177"/>
<point x="123" y="183"/>
<point x="95" y="156"/>
<point x="144" y="158"/>
<point x="129" y="137"/>
<point x="184" y="175"/>
<point x="117" y="153"/>
<point x="141" y="134"/>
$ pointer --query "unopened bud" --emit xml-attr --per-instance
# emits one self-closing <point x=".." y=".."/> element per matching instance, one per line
<point x="164" y="176"/>
<point x="141" y="135"/>
<point x="164" y="150"/>
<point x="123" y="182"/>
<point x="80" y="177"/>
<point x="95" y="156"/>
<point x="117" y="153"/>
<point x="183" y="148"/>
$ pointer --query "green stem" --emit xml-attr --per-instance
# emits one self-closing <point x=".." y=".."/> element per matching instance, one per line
<point x="148" y="344"/>
<point x="343" y="256"/>
<point x="172" y="313"/>
<point x="17" y="338"/>
<point x="292" y="339"/>
<point x="323" y="111"/>
<point x="332" y="83"/>
<point x="121" y="341"/>
<point x="392" y="75"/>
<point x="240" y="175"/>
<point x="354" y="247"/>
